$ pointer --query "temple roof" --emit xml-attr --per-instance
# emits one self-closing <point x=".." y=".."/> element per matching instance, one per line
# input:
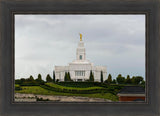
<point x="81" y="62"/>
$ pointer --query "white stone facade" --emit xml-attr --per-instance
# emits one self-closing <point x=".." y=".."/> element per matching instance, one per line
<point x="80" y="68"/>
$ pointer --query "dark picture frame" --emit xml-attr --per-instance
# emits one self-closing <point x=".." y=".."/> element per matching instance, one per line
<point x="151" y="10"/>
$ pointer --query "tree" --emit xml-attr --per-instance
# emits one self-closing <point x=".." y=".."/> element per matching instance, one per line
<point x="120" y="79"/>
<point x="22" y="80"/>
<point x="109" y="80"/>
<point x="39" y="79"/>
<point x="128" y="80"/>
<point x="69" y="77"/>
<point x="54" y="77"/>
<point x="133" y="80"/>
<point x="137" y="80"/>
<point x="91" y="77"/>
<point x="101" y="77"/>
<point x="143" y="83"/>
<point x="30" y="79"/>
<point x="48" y="78"/>
<point x="65" y="77"/>
<point x="114" y="81"/>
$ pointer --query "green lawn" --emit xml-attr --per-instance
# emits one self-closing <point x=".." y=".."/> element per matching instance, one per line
<point x="41" y="91"/>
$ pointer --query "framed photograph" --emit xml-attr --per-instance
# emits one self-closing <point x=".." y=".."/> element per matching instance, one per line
<point x="79" y="58"/>
<point x="118" y="77"/>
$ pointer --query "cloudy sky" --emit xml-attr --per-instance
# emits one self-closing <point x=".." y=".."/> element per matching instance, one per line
<point x="115" y="41"/>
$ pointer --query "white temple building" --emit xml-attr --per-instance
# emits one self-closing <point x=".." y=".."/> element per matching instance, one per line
<point x="80" y="68"/>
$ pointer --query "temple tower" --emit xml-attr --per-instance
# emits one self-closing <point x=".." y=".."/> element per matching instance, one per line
<point x="81" y="53"/>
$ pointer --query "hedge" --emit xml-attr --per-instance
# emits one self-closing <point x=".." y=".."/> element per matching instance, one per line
<point x="58" y="88"/>
<point x="82" y="84"/>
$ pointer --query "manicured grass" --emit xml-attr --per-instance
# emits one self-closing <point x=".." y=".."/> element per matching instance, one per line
<point x="63" y="89"/>
<point x="16" y="85"/>
<point x="41" y="91"/>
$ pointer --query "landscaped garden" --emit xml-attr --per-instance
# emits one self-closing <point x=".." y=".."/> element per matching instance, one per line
<point x="58" y="89"/>
<point x="107" y="89"/>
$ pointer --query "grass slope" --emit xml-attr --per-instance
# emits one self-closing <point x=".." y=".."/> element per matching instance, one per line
<point x="41" y="91"/>
<point x="72" y="88"/>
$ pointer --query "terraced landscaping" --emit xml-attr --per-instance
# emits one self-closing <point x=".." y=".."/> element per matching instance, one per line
<point x="59" y="90"/>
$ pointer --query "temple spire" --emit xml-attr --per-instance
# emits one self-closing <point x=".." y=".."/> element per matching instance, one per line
<point x="80" y="37"/>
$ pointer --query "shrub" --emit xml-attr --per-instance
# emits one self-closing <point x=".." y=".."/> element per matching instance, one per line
<point x="58" y="88"/>
<point x="17" y="87"/>
<point x="41" y="99"/>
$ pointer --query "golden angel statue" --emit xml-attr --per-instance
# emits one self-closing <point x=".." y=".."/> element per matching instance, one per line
<point x="80" y="37"/>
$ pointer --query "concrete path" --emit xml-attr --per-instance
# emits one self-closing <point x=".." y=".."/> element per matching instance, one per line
<point x="32" y="98"/>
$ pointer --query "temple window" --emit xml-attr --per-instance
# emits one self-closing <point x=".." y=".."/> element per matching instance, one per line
<point x="80" y="57"/>
<point x="79" y="73"/>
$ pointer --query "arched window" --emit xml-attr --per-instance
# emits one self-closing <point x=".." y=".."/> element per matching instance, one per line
<point x="80" y="57"/>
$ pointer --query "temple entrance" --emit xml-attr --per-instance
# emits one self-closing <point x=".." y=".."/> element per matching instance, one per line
<point x="79" y="80"/>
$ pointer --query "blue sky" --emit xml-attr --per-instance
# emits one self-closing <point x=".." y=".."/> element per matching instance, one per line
<point x="115" y="41"/>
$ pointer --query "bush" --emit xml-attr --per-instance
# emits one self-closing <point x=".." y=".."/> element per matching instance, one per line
<point x="82" y="84"/>
<point x="17" y="87"/>
<point x="29" y="84"/>
<point x="29" y="81"/>
<point x="102" y="88"/>
<point x="41" y="99"/>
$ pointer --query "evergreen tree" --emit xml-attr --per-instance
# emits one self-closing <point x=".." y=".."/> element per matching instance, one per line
<point x="143" y="83"/>
<point x="39" y="79"/>
<point x="69" y="77"/>
<point x="114" y="81"/>
<point x="30" y="80"/>
<point x="54" y="77"/>
<point x="137" y="80"/>
<point x="48" y="78"/>
<point x="101" y="77"/>
<point x="65" y="77"/>
<point x="128" y="80"/>
<point x="91" y="77"/>
<point x="133" y="80"/>
<point x="109" y="80"/>
<point x="120" y="79"/>
<point x="106" y="81"/>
